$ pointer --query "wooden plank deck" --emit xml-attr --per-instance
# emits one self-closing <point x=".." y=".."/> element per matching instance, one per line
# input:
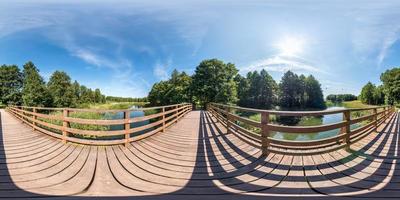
<point x="194" y="158"/>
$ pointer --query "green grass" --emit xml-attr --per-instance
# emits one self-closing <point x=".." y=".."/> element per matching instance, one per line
<point x="2" y="106"/>
<point x="81" y="115"/>
<point x="355" y="104"/>
<point x="329" y="103"/>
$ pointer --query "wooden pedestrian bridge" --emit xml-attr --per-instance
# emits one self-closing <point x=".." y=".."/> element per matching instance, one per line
<point x="172" y="152"/>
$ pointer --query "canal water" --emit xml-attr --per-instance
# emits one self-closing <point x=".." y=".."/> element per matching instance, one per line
<point x="326" y="119"/>
<point x="120" y="115"/>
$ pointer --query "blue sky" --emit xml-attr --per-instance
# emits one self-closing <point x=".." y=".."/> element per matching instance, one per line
<point x="123" y="47"/>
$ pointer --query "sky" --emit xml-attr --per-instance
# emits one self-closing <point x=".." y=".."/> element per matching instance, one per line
<point x="124" y="47"/>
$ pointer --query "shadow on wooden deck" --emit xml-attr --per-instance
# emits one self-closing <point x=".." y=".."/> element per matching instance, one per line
<point x="226" y="167"/>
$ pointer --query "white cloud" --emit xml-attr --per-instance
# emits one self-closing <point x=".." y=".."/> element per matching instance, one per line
<point x="161" y="70"/>
<point x="375" y="30"/>
<point x="281" y="63"/>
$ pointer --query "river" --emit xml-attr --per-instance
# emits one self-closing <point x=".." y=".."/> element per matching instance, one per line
<point x="326" y="119"/>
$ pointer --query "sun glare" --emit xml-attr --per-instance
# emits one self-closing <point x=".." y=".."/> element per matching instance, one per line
<point x="291" y="46"/>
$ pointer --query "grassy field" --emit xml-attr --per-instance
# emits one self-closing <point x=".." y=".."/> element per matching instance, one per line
<point x="2" y="106"/>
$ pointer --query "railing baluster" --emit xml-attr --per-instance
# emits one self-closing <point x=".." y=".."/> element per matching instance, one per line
<point x="346" y="118"/>
<point x="228" y="118"/>
<point x="163" y="119"/>
<point x="65" y="125"/>
<point x="375" y="119"/>
<point x="127" y="126"/>
<point x="264" y="132"/>
<point x="34" y="118"/>
<point x="177" y="113"/>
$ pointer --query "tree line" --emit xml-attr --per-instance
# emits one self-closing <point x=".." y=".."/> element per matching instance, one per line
<point x="216" y="81"/>
<point x="337" y="98"/>
<point x="386" y="93"/>
<point x="27" y="87"/>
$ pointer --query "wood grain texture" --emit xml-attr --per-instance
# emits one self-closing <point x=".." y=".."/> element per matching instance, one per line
<point x="195" y="158"/>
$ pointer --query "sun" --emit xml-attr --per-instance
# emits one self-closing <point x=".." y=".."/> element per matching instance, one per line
<point x="291" y="46"/>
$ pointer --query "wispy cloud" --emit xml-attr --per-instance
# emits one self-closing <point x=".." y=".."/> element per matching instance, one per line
<point x="375" y="30"/>
<point x="280" y="63"/>
<point x="161" y="70"/>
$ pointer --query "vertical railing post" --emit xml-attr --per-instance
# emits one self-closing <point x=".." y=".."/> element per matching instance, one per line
<point x="163" y="119"/>
<point x="127" y="126"/>
<point x="385" y="113"/>
<point x="34" y="118"/>
<point x="346" y="118"/>
<point x="228" y="118"/>
<point x="65" y="125"/>
<point x="375" y="119"/>
<point x="264" y="133"/>
<point x="176" y="113"/>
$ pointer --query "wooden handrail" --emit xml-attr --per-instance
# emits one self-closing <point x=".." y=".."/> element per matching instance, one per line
<point x="345" y="137"/>
<point x="63" y="130"/>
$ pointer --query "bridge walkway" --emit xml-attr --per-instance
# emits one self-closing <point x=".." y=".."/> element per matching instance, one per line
<point x="194" y="156"/>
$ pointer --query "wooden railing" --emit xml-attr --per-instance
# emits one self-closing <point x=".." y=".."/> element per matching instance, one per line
<point x="57" y="122"/>
<point x="346" y="136"/>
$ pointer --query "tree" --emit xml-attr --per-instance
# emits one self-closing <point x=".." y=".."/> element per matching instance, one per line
<point x="313" y="93"/>
<point x="257" y="90"/>
<point x="341" y="97"/>
<point x="379" y="95"/>
<point x="157" y="94"/>
<point x="391" y="85"/>
<point x="61" y="90"/>
<point x="97" y="96"/>
<point x="367" y="93"/>
<point x="243" y="90"/>
<point x="213" y="81"/>
<point x="34" y="91"/>
<point x="173" y="91"/>
<point x="76" y="87"/>
<point x="290" y="91"/>
<point x="11" y="80"/>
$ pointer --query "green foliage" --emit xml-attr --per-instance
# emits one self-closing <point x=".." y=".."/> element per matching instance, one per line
<point x="61" y="90"/>
<point x="300" y="92"/>
<point x="81" y="115"/>
<point x="367" y="93"/>
<point x="34" y="91"/>
<point x="173" y="91"/>
<point x="257" y="90"/>
<point x="291" y="91"/>
<point x="391" y="85"/>
<point x="214" y="81"/>
<point x="337" y="98"/>
<point x="29" y="88"/>
<point x="313" y="96"/>
<point x="11" y="81"/>
<point x="112" y="105"/>
<point x="355" y="104"/>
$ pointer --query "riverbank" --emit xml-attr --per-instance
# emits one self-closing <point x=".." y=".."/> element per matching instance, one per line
<point x="114" y="105"/>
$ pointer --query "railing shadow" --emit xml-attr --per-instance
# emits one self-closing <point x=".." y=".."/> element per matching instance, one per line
<point x="228" y="161"/>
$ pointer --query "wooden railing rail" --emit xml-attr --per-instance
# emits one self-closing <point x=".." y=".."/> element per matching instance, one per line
<point x="57" y="122"/>
<point x="226" y="114"/>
